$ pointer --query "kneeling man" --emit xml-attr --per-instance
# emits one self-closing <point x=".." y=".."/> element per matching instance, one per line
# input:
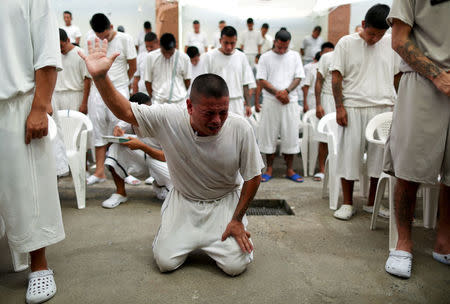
<point x="207" y="152"/>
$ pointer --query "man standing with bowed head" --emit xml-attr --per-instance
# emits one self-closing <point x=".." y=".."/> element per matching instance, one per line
<point x="197" y="39"/>
<point x="207" y="152"/>
<point x="360" y="61"/>
<point x="120" y="74"/>
<point x="29" y="201"/>
<point x="311" y="45"/>
<point x="232" y="65"/>
<point x="418" y="149"/>
<point x="279" y="73"/>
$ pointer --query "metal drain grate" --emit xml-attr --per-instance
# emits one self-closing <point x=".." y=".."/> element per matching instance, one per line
<point x="269" y="207"/>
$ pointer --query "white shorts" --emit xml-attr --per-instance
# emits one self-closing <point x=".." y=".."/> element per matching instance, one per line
<point x="189" y="225"/>
<point x="67" y="100"/>
<point x="327" y="102"/>
<point x="237" y="106"/>
<point x="103" y="120"/>
<point x="29" y="200"/>
<point x="278" y="120"/>
<point x="135" y="162"/>
<point x="352" y="144"/>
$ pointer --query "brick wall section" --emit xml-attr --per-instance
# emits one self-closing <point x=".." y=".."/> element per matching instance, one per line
<point x="167" y="18"/>
<point x="338" y="23"/>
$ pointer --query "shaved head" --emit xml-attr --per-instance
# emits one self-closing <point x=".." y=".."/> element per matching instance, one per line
<point x="208" y="85"/>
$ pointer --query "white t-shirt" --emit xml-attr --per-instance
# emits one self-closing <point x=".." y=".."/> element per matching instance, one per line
<point x="73" y="32"/>
<point x="30" y="37"/>
<point x="251" y="40"/>
<point x="280" y="71"/>
<point x="140" y="71"/>
<point x="201" y="168"/>
<point x="324" y="69"/>
<point x="217" y="44"/>
<point x="196" y="70"/>
<point x="198" y="40"/>
<point x="140" y="42"/>
<point x="311" y="46"/>
<point x="158" y="71"/>
<point x="267" y="43"/>
<point x="234" y="69"/>
<point x="310" y="78"/>
<point x="71" y="78"/>
<point x="123" y="44"/>
<point x="367" y="70"/>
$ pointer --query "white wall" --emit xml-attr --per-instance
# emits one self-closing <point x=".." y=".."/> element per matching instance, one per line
<point x="130" y="13"/>
<point x="359" y="10"/>
<point x="209" y="20"/>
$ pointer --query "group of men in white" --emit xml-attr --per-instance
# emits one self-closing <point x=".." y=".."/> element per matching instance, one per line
<point x="187" y="128"/>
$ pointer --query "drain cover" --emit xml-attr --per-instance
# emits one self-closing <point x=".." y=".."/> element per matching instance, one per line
<point x="269" y="207"/>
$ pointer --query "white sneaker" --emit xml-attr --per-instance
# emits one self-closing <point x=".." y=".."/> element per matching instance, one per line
<point x="443" y="258"/>
<point x="345" y="212"/>
<point x="41" y="286"/>
<point x="92" y="179"/>
<point x="161" y="192"/>
<point x="399" y="263"/>
<point x="383" y="211"/>
<point x="114" y="201"/>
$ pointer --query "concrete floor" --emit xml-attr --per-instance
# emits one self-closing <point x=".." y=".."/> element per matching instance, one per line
<point x="307" y="258"/>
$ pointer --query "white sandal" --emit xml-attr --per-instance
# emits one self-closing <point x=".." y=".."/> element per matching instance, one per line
<point x="399" y="263"/>
<point x="92" y="179"/>
<point x="115" y="200"/>
<point x="41" y="286"/>
<point x="149" y="180"/>
<point x="318" y="177"/>
<point x="131" y="180"/>
<point x="345" y="212"/>
<point x="443" y="258"/>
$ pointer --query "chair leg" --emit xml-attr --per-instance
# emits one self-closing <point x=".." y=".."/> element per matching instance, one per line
<point x="378" y="196"/>
<point x="430" y="206"/>
<point x="79" y="181"/>
<point x="313" y="153"/>
<point x="325" y="180"/>
<point x="393" y="233"/>
<point x="335" y="186"/>
<point x="304" y="152"/>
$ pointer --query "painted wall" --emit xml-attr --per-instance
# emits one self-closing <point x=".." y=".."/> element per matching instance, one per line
<point x="131" y="13"/>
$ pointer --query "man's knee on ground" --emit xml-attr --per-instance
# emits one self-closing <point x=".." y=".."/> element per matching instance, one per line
<point x="234" y="267"/>
<point x="165" y="261"/>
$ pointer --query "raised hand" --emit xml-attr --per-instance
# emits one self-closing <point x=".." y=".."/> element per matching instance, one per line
<point x="96" y="61"/>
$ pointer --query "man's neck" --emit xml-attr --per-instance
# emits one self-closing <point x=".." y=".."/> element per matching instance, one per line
<point x="70" y="47"/>
<point x="221" y="50"/>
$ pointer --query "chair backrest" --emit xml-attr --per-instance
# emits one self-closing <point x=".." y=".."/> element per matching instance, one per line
<point x="311" y="118"/>
<point x="328" y="126"/>
<point x="378" y="128"/>
<point x="72" y="123"/>
<point x="52" y="129"/>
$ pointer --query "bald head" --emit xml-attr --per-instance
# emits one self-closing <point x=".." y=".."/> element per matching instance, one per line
<point x="208" y="85"/>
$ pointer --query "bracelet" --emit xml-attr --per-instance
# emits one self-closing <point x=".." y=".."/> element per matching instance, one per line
<point x="287" y="90"/>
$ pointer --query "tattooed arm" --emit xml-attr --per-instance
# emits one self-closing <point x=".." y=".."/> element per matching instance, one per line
<point x="336" y="85"/>
<point x="408" y="50"/>
<point x="317" y="92"/>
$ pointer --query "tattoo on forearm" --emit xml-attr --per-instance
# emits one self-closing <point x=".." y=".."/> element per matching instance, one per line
<point x="246" y="95"/>
<point x="240" y="214"/>
<point x="337" y="92"/>
<point x="293" y="84"/>
<point x="417" y="60"/>
<point x="318" y="88"/>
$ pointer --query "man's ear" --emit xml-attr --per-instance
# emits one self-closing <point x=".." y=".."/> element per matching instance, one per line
<point x="189" y="106"/>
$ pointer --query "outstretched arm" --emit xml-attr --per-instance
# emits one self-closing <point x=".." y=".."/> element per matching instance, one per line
<point x="98" y="65"/>
<point x="235" y="228"/>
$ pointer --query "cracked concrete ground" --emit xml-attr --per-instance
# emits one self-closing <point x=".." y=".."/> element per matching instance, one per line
<point x="306" y="258"/>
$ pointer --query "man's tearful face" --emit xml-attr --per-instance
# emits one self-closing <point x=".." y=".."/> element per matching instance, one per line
<point x="208" y="114"/>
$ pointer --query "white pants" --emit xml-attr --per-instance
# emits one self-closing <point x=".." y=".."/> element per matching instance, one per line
<point x="352" y="144"/>
<point x="189" y="225"/>
<point x="67" y="100"/>
<point x="103" y="120"/>
<point x="29" y="200"/>
<point x="237" y="106"/>
<point x="279" y="120"/>
<point x="135" y="162"/>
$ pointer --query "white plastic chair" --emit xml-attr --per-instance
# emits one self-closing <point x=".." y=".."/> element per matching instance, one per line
<point x="381" y="125"/>
<point x="328" y="128"/>
<point x="310" y="146"/>
<point x="21" y="260"/>
<point x="76" y="128"/>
